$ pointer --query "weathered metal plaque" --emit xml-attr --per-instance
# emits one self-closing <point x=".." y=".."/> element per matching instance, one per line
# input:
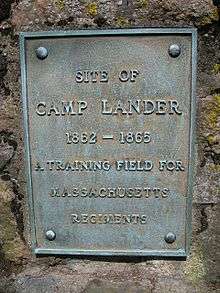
<point x="109" y="118"/>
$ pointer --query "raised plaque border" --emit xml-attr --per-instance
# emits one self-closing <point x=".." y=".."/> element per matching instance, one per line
<point x="23" y="36"/>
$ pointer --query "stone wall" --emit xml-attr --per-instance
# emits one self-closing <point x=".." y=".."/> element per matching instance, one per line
<point x="20" y="271"/>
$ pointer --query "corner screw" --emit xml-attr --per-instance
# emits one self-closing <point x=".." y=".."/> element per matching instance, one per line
<point x="170" y="237"/>
<point x="50" y="235"/>
<point x="41" y="53"/>
<point x="174" y="50"/>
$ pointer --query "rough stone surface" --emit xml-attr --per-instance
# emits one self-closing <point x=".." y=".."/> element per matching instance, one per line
<point x="20" y="271"/>
<point x="5" y="6"/>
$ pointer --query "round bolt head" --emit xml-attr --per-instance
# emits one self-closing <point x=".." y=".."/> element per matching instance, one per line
<point x="170" y="237"/>
<point x="50" y="235"/>
<point x="41" y="53"/>
<point x="174" y="50"/>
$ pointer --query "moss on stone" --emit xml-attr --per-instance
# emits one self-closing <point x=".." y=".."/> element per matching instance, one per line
<point x="214" y="113"/>
<point x="215" y="169"/>
<point x="12" y="246"/>
<point x="142" y="3"/>
<point x="194" y="266"/>
<point x="210" y="18"/>
<point x="211" y="139"/>
<point x="216" y="68"/>
<point x="60" y="4"/>
<point x="211" y="114"/>
<point x="9" y="229"/>
<point x="92" y="9"/>
<point x="122" y="21"/>
<point x="209" y="131"/>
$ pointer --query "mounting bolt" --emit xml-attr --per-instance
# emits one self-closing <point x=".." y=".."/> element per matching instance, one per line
<point x="174" y="50"/>
<point x="170" y="237"/>
<point x="41" y="53"/>
<point x="50" y="235"/>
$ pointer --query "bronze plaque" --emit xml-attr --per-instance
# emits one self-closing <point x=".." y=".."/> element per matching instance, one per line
<point x="109" y="118"/>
